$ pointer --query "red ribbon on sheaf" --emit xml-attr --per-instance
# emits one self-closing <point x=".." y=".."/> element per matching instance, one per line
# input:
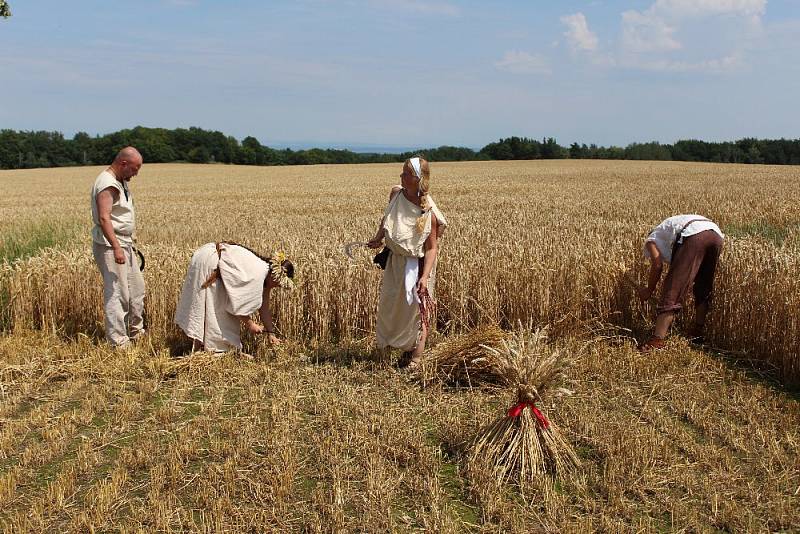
<point x="516" y="411"/>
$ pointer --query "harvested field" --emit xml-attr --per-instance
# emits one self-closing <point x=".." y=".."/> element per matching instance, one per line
<point x="322" y="435"/>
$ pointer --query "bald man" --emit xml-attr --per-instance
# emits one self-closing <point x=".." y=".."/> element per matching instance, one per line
<point x="112" y="237"/>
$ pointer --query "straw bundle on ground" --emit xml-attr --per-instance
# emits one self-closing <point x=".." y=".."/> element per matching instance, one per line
<point x="194" y="363"/>
<point x="523" y="445"/>
<point x="467" y="360"/>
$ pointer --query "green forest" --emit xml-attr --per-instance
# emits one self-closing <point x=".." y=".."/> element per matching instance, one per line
<point x="32" y="149"/>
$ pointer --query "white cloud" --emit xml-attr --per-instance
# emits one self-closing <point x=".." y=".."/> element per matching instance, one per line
<point x="519" y="62"/>
<point x="67" y="72"/>
<point x="667" y="26"/>
<point x="712" y="36"/>
<point x="717" y="65"/>
<point x="419" y="6"/>
<point x="646" y="32"/>
<point x="578" y="34"/>
<point x="700" y="8"/>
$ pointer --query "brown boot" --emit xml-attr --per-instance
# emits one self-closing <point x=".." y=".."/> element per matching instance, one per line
<point x="652" y="344"/>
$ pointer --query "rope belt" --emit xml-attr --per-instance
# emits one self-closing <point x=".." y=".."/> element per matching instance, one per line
<point x="215" y="273"/>
<point x="679" y="236"/>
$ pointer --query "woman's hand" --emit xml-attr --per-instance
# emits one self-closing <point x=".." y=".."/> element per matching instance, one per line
<point x="273" y="339"/>
<point x="253" y="327"/>
<point x="422" y="286"/>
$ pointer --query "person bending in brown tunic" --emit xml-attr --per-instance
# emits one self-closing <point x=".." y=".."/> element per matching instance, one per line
<point x="691" y="245"/>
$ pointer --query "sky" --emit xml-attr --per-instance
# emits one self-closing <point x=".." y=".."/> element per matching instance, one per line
<point x="406" y="73"/>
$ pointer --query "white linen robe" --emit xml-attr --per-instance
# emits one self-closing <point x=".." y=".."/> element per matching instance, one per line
<point x="398" y="321"/>
<point x="210" y="315"/>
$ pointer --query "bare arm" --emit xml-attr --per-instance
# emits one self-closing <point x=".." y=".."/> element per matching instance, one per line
<point x="656" y="268"/>
<point x="431" y="252"/>
<point x="376" y="241"/>
<point x="105" y="201"/>
<point x="266" y="316"/>
<point x="251" y="326"/>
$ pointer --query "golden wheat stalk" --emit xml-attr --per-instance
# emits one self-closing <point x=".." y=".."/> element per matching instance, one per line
<point x="524" y="444"/>
<point x="467" y="360"/>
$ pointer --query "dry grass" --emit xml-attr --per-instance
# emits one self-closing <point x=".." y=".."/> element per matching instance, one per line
<point x="466" y="360"/>
<point x="136" y="440"/>
<point x="317" y="436"/>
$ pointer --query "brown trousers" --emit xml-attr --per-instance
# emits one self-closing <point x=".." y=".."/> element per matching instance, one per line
<point x="693" y="264"/>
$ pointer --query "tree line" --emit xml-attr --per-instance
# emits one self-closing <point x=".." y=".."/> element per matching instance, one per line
<point x="29" y="149"/>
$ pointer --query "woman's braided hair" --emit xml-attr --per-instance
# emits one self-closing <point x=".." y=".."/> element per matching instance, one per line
<point x="424" y="188"/>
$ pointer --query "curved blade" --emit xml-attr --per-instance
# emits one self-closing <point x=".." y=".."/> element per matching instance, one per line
<point x="347" y="248"/>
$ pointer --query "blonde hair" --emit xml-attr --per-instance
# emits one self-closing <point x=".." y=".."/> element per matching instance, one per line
<point x="424" y="189"/>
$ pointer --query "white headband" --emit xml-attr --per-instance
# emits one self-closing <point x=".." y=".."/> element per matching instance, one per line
<point x="416" y="167"/>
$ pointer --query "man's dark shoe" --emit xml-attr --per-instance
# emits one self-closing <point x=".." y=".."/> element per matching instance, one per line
<point x="697" y="340"/>
<point x="695" y="335"/>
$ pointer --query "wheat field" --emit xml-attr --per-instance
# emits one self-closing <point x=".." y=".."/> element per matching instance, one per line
<point x="321" y="434"/>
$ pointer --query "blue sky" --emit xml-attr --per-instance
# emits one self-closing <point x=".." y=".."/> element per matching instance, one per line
<point x="406" y="72"/>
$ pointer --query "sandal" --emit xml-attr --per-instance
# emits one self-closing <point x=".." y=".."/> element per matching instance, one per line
<point x="405" y="359"/>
